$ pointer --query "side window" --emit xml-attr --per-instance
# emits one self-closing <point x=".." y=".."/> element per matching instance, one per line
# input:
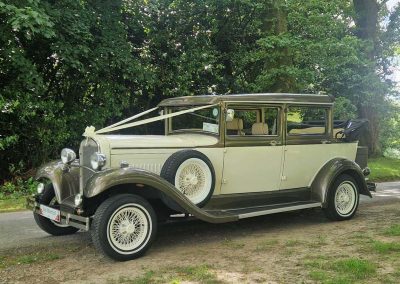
<point x="271" y="120"/>
<point x="243" y="122"/>
<point x="254" y="122"/>
<point x="306" y="120"/>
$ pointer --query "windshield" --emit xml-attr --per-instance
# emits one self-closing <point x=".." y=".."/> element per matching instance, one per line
<point x="204" y="120"/>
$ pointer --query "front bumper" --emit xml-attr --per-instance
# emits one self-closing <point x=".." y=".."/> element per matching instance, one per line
<point x="67" y="218"/>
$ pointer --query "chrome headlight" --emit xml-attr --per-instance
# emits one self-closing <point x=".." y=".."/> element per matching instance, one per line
<point x="97" y="160"/>
<point x="67" y="156"/>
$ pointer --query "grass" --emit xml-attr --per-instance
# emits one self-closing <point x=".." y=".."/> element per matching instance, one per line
<point x="349" y="270"/>
<point x="197" y="273"/>
<point x="200" y="273"/>
<point x="232" y="244"/>
<point x="393" y="230"/>
<point x="30" y="258"/>
<point x="356" y="268"/>
<point x="292" y="243"/>
<point x="266" y="245"/>
<point x="385" y="247"/>
<point x="384" y="169"/>
<point x="12" y="204"/>
<point x="148" y="277"/>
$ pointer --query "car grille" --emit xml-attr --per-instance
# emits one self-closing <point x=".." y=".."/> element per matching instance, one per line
<point x="87" y="149"/>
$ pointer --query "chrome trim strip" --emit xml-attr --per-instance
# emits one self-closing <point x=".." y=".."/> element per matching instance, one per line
<point x="279" y="210"/>
<point x="85" y="167"/>
<point x="278" y="102"/>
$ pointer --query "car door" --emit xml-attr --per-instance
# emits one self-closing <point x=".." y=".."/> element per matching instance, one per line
<point x="253" y="150"/>
<point x="308" y="144"/>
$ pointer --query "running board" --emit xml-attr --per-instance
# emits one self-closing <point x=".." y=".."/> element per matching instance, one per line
<point x="242" y="213"/>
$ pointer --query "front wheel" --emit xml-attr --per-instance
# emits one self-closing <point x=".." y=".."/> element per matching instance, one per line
<point x="124" y="226"/>
<point x="343" y="199"/>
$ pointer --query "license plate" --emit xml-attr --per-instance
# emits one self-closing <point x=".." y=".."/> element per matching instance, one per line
<point x="51" y="213"/>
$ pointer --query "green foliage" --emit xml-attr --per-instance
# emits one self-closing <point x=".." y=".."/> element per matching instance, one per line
<point x="344" y="109"/>
<point x="348" y="270"/>
<point x="390" y="137"/>
<point x="65" y="65"/>
<point x="358" y="268"/>
<point x="11" y="204"/>
<point x="385" y="247"/>
<point x="18" y="188"/>
<point x="384" y="169"/>
<point x="28" y="258"/>
<point x="393" y="230"/>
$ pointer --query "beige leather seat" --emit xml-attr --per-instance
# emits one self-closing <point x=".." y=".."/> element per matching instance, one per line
<point x="309" y="130"/>
<point x="235" y="126"/>
<point x="259" y="128"/>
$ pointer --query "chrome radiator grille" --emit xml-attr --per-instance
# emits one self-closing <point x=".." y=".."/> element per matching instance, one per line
<point x="87" y="148"/>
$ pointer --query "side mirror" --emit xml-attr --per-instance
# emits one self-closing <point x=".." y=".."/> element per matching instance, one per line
<point x="230" y="114"/>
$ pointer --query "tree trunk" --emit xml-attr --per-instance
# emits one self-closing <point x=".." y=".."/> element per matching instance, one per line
<point x="278" y="26"/>
<point x="367" y="29"/>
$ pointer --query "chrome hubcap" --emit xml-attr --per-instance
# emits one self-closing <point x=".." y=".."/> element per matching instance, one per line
<point x="128" y="228"/>
<point x="345" y="198"/>
<point x="193" y="178"/>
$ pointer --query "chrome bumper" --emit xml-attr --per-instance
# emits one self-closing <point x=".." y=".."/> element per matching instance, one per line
<point x="69" y="219"/>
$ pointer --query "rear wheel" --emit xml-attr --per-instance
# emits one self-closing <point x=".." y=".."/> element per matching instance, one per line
<point x="124" y="227"/>
<point x="343" y="199"/>
<point x="51" y="227"/>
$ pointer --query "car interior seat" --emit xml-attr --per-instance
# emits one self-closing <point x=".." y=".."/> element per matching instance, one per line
<point x="259" y="128"/>
<point x="235" y="127"/>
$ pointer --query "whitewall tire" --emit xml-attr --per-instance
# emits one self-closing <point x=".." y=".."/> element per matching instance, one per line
<point x="192" y="173"/>
<point x="343" y="198"/>
<point x="124" y="226"/>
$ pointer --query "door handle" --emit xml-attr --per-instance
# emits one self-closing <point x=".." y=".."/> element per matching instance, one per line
<point x="326" y="141"/>
<point x="274" y="143"/>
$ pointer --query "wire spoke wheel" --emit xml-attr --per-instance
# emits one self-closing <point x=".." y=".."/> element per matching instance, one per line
<point x="128" y="228"/>
<point x="194" y="178"/>
<point x="345" y="198"/>
<point x="342" y="198"/>
<point x="124" y="226"/>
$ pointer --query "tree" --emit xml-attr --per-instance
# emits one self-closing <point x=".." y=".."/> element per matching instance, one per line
<point x="68" y="64"/>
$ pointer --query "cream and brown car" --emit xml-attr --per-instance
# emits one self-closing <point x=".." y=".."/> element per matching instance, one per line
<point x="218" y="159"/>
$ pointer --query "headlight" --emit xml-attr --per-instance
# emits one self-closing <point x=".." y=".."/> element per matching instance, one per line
<point x="40" y="188"/>
<point x="67" y="156"/>
<point x="97" y="160"/>
<point x="78" y="200"/>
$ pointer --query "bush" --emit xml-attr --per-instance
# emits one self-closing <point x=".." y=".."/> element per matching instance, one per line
<point x="392" y="153"/>
<point x="18" y="188"/>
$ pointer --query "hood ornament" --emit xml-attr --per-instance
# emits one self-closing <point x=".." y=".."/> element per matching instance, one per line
<point x="89" y="131"/>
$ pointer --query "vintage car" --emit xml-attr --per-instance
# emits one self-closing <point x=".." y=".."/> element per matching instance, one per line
<point x="219" y="158"/>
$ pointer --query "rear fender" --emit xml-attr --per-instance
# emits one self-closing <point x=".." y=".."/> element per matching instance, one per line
<point x="328" y="174"/>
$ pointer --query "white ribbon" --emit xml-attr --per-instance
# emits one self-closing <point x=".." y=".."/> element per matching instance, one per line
<point x="129" y="119"/>
<point x="149" y="120"/>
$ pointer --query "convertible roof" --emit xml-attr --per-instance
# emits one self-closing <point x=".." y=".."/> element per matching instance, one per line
<point x="266" y="97"/>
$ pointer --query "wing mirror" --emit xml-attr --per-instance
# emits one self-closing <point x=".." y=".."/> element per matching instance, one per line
<point x="230" y="115"/>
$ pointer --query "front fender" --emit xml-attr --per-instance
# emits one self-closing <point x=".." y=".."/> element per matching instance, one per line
<point x="329" y="172"/>
<point x="65" y="180"/>
<point x="104" y="180"/>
